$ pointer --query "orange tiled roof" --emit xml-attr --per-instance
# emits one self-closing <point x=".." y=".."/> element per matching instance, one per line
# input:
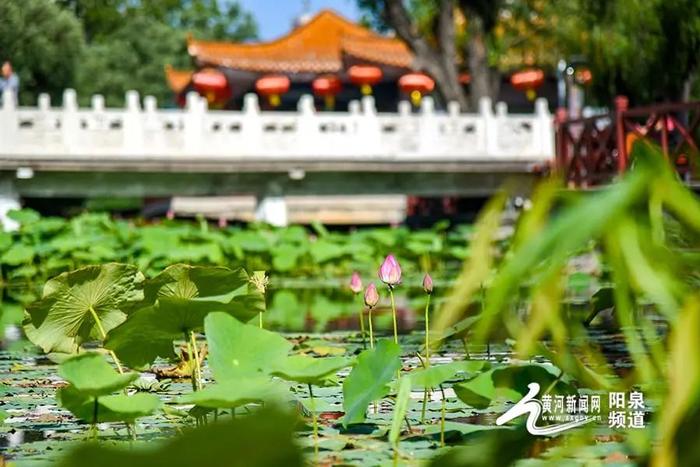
<point x="177" y="79"/>
<point x="316" y="47"/>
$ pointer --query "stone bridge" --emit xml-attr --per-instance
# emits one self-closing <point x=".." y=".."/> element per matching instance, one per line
<point x="141" y="150"/>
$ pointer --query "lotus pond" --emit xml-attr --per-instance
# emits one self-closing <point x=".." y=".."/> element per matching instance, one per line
<point x="180" y="344"/>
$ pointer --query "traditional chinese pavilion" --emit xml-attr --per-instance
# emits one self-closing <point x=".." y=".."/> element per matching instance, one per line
<point x="328" y="56"/>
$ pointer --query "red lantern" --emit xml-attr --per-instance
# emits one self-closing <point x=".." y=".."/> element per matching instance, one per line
<point x="583" y="76"/>
<point x="272" y="87"/>
<point x="212" y="84"/>
<point x="528" y="81"/>
<point x="416" y="85"/>
<point x="365" y="76"/>
<point x="327" y="86"/>
<point x="465" y="78"/>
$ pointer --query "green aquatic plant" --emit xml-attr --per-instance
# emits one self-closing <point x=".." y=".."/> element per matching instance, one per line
<point x="390" y="274"/>
<point x="371" y="300"/>
<point x="89" y="394"/>
<point x="626" y="223"/>
<point x="264" y="439"/>
<point x="175" y="304"/>
<point x="312" y="372"/>
<point x="82" y="306"/>
<point x="369" y="379"/>
<point x="238" y="350"/>
<point x="356" y="288"/>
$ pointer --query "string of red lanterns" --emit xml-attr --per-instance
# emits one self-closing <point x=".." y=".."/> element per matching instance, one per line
<point x="213" y="85"/>
<point x="528" y="81"/>
<point x="365" y="76"/>
<point x="272" y="87"/>
<point x="416" y="85"/>
<point x="327" y="87"/>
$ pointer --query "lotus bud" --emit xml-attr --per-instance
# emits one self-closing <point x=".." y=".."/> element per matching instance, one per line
<point x="428" y="284"/>
<point x="390" y="271"/>
<point x="371" y="295"/>
<point x="355" y="283"/>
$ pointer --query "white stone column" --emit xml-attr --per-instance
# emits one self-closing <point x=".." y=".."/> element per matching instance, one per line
<point x="307" y="132"/>
<point x="271" y="207"/>
<point x="194" y="123"/>
<point x="488" y="129"/>
<point x="369" y="132"/>
<point x="8" y="122"/>
<point x="70" y="123"/>
<point x="153" y="133"/>
<point x="429" y="132"/>
<point x="9" y="200"/>
<point x="251" y="125"/>
<point x="133" y="124"/>
<point x="544" y="128"/>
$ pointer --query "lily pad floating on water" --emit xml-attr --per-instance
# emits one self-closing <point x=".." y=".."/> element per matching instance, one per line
<point x="232" y="394"/>
<point x="264" y="439"/>
<point x="310" y="370"/>
<point x="510" y="383"/>
<point x="92" y="381"/>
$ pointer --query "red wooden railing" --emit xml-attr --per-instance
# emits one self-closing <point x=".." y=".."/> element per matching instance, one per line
<point x="592" y="151"/>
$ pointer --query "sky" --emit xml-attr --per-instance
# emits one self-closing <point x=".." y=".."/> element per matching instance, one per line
<point x="275" y="17"/>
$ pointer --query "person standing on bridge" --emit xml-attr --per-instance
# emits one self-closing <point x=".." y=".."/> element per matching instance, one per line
<point x="9" y="80"/>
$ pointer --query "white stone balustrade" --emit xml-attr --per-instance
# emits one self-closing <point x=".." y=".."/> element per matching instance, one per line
<point x="138" y="131"/>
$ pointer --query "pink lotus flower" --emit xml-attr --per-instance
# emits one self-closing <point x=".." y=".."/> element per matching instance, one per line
<point x="390" y="271"/>
<point x="356" y="283"/>
<point x="371" y="295"/>
<point x="428" y="284"/>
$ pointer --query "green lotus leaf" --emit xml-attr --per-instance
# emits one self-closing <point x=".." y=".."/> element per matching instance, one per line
<point x="233" y="443"/>
<point x="18" y="254"/>
<point x="369" y="379"/>
<point x="180" y="298"/>
<point x="65" y="315"/>
<point x="115" y="408"/>
<point x="509" y="383"/>
<point x="403" y="395"/>
<point x="309" y="370"/>
<point x="232" y="394"/>
<point x="90" y="374"/>
<point x="435" y="375"/>
<point x="238" y="350"/>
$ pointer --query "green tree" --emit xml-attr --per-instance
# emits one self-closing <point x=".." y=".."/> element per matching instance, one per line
<point x="648" y="50"/>
<point x="43" y="43"/>
<point x="130" y="42"/>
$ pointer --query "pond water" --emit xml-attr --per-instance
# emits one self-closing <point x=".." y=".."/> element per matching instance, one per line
<point x="313" y="317"/>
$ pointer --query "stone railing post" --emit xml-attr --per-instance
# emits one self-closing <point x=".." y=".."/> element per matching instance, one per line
<point x="307" y="127"/>
<point x="369" y="132"/>
<point x="133" y="124"/>
<point x="251" y="126"/>
<point x="543" y="139"/>
<point x="152" y="132"/>
<point x="8" y="122"/>
<point x="488" y="128"/>
<point x="70" y="122"/>
<point x="98" y="117"/>
<point x="44" y="121"/>
<point x="193" y="123"/>
<point x="428" y="130"/>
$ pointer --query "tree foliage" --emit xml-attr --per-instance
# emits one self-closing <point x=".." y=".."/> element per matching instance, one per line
<point x="628" y="44"/>
<point x="111" y="46"/>
<point x="44" y="44"/>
